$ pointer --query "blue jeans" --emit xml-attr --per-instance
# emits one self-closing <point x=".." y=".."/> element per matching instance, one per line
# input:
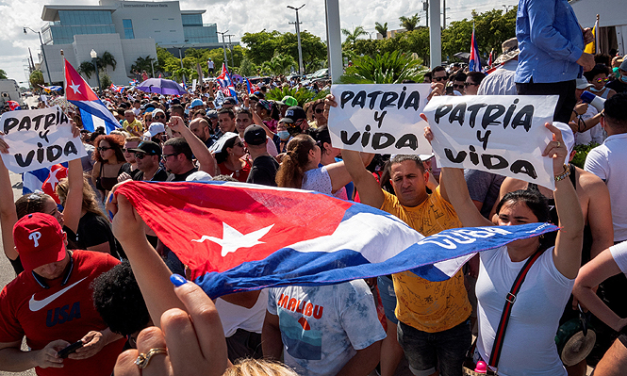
<point x="445" y="350"/>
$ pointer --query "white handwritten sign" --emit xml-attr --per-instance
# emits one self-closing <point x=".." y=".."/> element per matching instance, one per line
<point x="383" y="119"/>
<point x="504" y="135"/>
<point x="38" y="139"/>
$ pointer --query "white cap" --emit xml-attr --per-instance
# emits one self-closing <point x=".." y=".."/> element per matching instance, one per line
<point x="198" y="176"/>
<point x="154" y="129"/>
<point x="567" y="136"/>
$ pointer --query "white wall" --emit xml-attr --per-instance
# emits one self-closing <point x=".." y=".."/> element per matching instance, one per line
<point x="135" y="48"/>
<point x="55" y="61"/>
<point x="159" y="20"/>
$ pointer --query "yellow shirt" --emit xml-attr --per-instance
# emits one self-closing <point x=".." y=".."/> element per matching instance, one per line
<point x="428" y="306"/>
<point x="136" y="126"/>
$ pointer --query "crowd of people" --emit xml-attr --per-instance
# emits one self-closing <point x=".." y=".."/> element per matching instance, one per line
<point x="90" y="275"/>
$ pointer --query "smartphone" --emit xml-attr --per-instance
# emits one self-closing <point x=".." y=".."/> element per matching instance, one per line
<point x="70" y="349"/>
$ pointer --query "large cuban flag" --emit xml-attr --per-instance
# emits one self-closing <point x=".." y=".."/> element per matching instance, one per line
<point x="239" y="237"/>
<point x="82" y="96"/>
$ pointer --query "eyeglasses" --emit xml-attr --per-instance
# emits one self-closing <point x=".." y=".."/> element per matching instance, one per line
<point x="166" y="156"/>
<point x="158" y="117"/>
<point x="470" y="84"/>
<point x="439" y="78"/>
<point x="140" y="155"/>
<point x="599" y="80"/>
<point x="458" y="86"/>
<point x="103" y="148"/>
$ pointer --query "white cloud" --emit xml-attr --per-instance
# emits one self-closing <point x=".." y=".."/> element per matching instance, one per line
<point x="237" y="16"/>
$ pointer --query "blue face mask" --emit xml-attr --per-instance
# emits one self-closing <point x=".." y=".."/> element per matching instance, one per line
<point x="284" y="135"/>
<point x="623" y="78"/>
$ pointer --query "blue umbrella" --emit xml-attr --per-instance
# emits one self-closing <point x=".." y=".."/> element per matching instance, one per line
<point x="161" y="86"/>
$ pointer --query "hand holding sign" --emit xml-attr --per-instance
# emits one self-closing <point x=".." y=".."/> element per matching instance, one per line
<point x="498" y="134"/>
<point x="38" y="138"/>
<point x="381" y="119"/>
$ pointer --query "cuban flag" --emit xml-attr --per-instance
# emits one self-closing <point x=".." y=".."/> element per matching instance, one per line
<point x="224" y="79"/>
<point x="133" y="82"/>
<point x="249" y="85"/>
<point x="49" y="186"/>
<point x="82" y="96"/>
<point x="491" y="58"/>
<point x="116" y="89"/>
<point x="474" y="63"/>
<point x="239" y="237"/>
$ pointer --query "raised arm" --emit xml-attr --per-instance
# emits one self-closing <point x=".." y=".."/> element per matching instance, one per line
<point x="590" y="276"/>
<point x="73" y="206"/>
<point x="370" y="193"/>
<point x="8" y="215"/>
<point x="339" y="173"/>
<point x="202" y="154"/>
<point x="457" y="192"/>
<point x="567" y="251"/>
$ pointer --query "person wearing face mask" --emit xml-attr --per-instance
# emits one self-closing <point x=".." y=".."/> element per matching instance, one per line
<point x="283" y="134"/>
<point x="620" y="85"/>
<point x="598" y="78"/>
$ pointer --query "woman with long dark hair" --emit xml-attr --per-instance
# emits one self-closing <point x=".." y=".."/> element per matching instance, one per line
<point x="109" y="161"/>
<point x="529" y="344"/>
<point x="231" y="157"/>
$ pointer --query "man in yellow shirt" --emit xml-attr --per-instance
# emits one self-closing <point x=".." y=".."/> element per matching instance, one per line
<point x="433" y="326"/>
<point x="132" y="125"/>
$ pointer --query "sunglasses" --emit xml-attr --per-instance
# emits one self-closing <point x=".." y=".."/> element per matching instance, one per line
<point x="599" y="80"/>
<point x="439" y="78"/>
<point x="470" y="84"/>
<point x="102" y="148"/>
<point x="458" y="86"/>
<point x="319" y="111"/>
<point x="158" y="117"/>
<point x="166" y="156"/>
<point x="140" y="155"/>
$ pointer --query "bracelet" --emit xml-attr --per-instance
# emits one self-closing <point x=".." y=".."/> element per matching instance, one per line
<point x="564" y="175"/>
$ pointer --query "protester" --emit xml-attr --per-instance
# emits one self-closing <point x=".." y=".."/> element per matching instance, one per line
<point x="620" y="84"/>
<point x="202" y="129"/>
<point x="148" y="155"/>
<point x="502" y="81"/>
<point x="230" y="157"/>
<point x="52" y="270"/>
<point x="131" y="164"/>
<point x="226" y="120"/>
<point x="473" y="80"/>
<point x="551" y="44"/>
<point x="131" y="124"/>
<point x="264" y="167"/>
<point x="109" y="162"/>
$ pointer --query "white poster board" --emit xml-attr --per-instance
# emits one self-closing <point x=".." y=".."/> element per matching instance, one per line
<point x="38" y="138"/>
<point x="504" y="134"/>
<point x="382" y="119"/>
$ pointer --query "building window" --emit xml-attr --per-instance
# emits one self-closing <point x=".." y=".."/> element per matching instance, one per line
<point x="128" y="29"/>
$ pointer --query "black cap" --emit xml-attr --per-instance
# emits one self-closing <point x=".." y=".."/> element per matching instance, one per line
<point x="148" y="147"/>
<point x="255" y="135"/>
<point x="229" y="101"/>
<point x="293" y="114"/>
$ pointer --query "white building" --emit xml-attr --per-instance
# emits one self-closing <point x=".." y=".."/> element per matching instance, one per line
<point x="126" y="29"/>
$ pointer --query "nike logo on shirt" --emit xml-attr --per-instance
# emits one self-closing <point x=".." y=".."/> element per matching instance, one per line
<point x="36" y="305"/>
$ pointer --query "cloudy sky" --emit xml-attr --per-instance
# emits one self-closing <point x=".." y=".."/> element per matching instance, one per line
<point x="238" y="16"/>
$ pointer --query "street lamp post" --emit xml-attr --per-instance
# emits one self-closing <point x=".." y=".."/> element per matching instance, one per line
<point x="301" y="69"/>
<point x="182" y="72"/>
<point x="43" y="51"/>
<point x="226" y="61"/>
<point x="94" y="57"/>
<point x="231" y="49"/>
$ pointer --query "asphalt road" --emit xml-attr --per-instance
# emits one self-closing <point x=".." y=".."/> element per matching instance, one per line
<point x="6" y="270"/>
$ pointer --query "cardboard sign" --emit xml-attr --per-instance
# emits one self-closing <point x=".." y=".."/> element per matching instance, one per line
<point x="504" y="135"/>
<point x="39" y="138"/>
<point x="382" y="119"/>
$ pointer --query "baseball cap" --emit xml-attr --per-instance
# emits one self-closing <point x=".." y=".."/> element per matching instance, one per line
<point x="289" y="101"/>
<point x="582" y="84"/>
<point x="155" y="112"/>
<point x="229" y="101"/>
<point x="39" y="240"/>
<point x="155" y="128"/>
<point x="219" y="145"/>
<point x="213" y="114"/>
<point x="623" y="65"/>
<point x="293" y="114"/>
<point x="148" y="147"/>
<point x="255" y="135"/>
<point x="196" y="103"/>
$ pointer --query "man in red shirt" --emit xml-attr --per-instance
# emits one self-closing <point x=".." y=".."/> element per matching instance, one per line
<point x="50" y="304"/>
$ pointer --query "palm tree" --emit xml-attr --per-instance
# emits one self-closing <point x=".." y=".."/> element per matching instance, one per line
<point x="142" y="64"/>
<point x="389" y="68"/>
<point x="279" y="64"/>
<point x="382" y="29"/>
<point x="352" y="37"/>
<point x="105" y="60"/>
<point x="87" y="68"/>
<point x="409" y="23"/>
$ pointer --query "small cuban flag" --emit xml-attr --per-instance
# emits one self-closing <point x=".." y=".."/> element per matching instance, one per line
<point x="474" y="63"/>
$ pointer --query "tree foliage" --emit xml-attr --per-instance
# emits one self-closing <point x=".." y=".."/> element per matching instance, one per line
<point x="409" y="23"/>
<point x="105" y="81"/>
<point x="87" y="68"/>
<point x="36" y="78"/>
<point x="279" y="64"/>
<point x="302" y="95"/>
<point x="382" y="29"/>
<point x="388" y="68"/>
<point x="261" y="47"/>
<point x="352" y="36"/>
<point x="143" y="64"/>
<point x="3" y="74"/>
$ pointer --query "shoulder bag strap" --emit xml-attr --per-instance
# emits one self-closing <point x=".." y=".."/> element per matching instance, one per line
<point x="507" y="310"/>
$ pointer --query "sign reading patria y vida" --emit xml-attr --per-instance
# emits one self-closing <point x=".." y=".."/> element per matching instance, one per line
<point x="504" y="135"/>
<point x="38" y="138"/>
<point x="382" y="119"/>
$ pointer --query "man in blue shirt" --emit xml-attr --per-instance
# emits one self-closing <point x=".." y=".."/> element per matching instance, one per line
<point x="551" y="44"/>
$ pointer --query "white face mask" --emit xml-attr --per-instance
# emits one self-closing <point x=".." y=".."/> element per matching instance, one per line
<point x="593" y="89"/>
